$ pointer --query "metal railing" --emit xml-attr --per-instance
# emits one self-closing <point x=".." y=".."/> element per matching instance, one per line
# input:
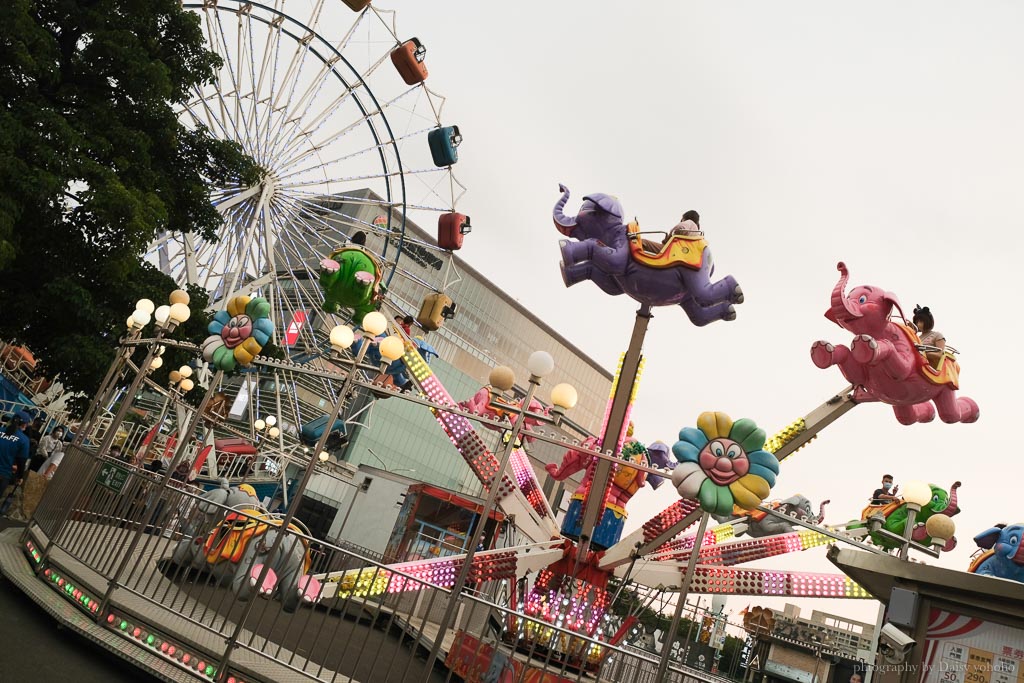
<point x="186" y="567"/>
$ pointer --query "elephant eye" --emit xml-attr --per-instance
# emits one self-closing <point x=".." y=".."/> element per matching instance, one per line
<point x="734" y="451"/>
<point x="1014" y="539"/>
<point x="717" y="449"/>
<point x="863" y="299"/>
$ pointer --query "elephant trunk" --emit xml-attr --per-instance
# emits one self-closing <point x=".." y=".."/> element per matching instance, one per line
<point x="565" y="224"/>
<point x="821" y="511"/>
<point x="841" y="308"/>
<point x="952" y="508"/>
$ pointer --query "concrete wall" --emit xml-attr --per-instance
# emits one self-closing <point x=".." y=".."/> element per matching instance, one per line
<point x="373" y="512"/>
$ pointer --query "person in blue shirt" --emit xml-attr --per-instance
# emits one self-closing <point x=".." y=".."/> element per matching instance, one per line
<point x="14" y="454"/>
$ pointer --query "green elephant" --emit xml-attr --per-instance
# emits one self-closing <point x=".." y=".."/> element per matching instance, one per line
<point x="895" y="514"/>
<point x="350" y="278"/>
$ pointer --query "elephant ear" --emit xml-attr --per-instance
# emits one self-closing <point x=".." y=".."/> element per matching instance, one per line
<point x="986" y="539"/>
<point x="606" y="203"/>
<point x="893" y="301"/>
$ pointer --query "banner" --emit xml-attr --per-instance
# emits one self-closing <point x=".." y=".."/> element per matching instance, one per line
<point x="478" y="662"/>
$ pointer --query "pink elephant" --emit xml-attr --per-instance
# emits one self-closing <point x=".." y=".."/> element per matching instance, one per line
<point x="483" y="403"/>
<point x="883" y="362"/>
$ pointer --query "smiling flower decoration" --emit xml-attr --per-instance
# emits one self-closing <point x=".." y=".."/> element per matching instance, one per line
<point x="237" y="335"/>
<point x="723" y="463"/>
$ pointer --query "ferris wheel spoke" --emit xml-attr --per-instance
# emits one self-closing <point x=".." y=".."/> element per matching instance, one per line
<point x="236" y="105"/>
<point x="224" y="107"/>
<point x="326" y="112"/>
<point x="332" y="163"/>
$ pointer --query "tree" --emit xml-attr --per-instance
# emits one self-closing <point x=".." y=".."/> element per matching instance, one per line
<point x="94" y="163"/>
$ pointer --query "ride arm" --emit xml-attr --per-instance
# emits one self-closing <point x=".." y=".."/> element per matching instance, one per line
<point x="802" y="431"/>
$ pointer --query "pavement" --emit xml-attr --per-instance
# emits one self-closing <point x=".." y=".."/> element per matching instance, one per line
<point x="37" y="648"/>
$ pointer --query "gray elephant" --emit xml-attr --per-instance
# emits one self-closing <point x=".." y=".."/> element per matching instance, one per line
<point x="762" y="524"/>
<point x="609" y="254"/>
<point x="239" y="547"/>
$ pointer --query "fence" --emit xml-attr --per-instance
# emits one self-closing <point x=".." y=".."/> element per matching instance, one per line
<point x="182" y="577"/>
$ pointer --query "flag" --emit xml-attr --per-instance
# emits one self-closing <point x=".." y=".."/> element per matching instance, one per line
<point x="204" y="453"/>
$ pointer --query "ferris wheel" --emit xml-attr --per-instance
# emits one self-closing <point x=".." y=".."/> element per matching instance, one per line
<point x="333" y="108"/>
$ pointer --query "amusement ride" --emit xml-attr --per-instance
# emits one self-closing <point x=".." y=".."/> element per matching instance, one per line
<point x="352" y="143"/>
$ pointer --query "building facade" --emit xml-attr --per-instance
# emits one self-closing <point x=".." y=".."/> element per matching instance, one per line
<point x="489" y="328"/>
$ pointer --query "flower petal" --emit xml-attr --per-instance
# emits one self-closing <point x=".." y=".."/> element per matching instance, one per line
<point x="694" y="436"/>
<point x="258" y="308"/>
<point x="715" y="499"/>
<point x="714" y="424"/>
<point x="224" y="359"/>
<point x="210" y="345"/>
<point x="237" y="305"/>
<point x="687" y="478"/>
<point x="685" y="451"/>
<point x="755" y="486"/>
<point x="762" y="472"/>
<point x="741" y="429"/>
<point x="753" y="438"/>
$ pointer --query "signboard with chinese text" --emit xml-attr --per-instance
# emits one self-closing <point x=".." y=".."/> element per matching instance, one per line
<point x="961" y="649"/>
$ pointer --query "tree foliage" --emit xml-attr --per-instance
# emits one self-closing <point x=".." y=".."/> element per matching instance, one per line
<point x="94" y="164"/>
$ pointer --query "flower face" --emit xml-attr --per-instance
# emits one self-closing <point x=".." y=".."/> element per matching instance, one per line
<point x="237" y="335"/>
<point x="724" y="461"/>
<point x="237" y="330"/>
<point x="722" y="464"/>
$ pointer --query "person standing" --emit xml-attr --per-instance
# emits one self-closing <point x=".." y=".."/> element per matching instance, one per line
<point x="53" y="441"/>
<point x="14" y="455"/>
<point x="54" y="455"/>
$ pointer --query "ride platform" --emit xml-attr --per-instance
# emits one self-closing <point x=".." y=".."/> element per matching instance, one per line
<point x="168" y="622"/>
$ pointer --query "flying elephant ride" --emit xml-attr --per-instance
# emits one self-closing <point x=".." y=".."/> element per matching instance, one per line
<point x="492" y="401"/>
<point x="350" y="278"/>
<point x="239" y="546"/>
<point x="613" y="256"/>
<point x="760" y="524"/>
<point x="1002" y="554"/>
<point x="884" y="362"/>
<point x="894" y="516"/>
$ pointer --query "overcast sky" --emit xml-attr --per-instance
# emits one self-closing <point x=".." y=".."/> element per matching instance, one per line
<point x="887" y="135"/>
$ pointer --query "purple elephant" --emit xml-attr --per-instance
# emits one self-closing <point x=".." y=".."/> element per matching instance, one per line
<point x="603" y="255"/>
<point x="883" y="362"/>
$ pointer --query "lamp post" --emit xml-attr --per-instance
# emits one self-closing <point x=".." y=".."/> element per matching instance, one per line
<point x="540" y="364"/>
<point x="177" y="313"/>
<point x="915" y="495"/>
<point x="341" y="338"/>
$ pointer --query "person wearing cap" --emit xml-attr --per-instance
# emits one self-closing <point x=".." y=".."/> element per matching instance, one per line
<point x="14" y="454"/>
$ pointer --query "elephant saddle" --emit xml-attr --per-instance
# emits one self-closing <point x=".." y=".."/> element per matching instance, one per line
<point x="228" y="541"/>
<point x="677" y="250"/>
<point x="948" y="371"/>
<point x="980" y="559"/>
<point x="884" y="510"/>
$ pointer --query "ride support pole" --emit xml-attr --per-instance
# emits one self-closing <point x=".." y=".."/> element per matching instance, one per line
<point x="684" y="589"/>
<point x="593" y="507"/>
<point x="314" y="457"/>
<point x="146" y="523"/>
<point x="485" y="515"/>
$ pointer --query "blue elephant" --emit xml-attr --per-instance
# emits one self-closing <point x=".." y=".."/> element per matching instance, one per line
<point x="1003" y="556"/>
<point x="612" y="255"/>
